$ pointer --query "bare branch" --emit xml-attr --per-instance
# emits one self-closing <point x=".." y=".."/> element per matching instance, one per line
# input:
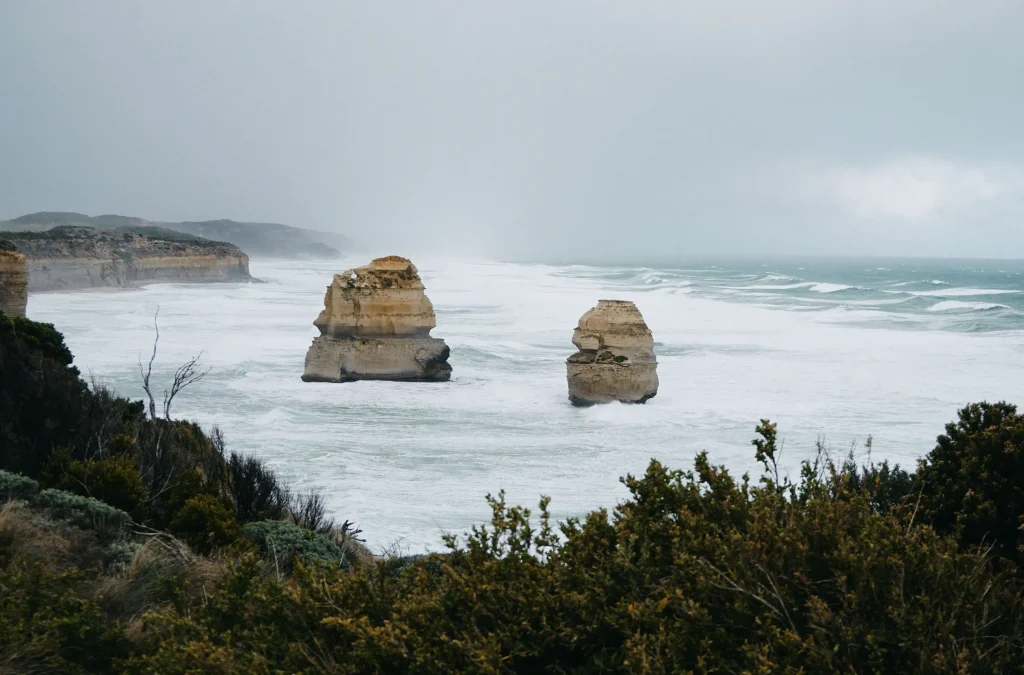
<point x="186" y="374"/>
<point x="148" y="372"/>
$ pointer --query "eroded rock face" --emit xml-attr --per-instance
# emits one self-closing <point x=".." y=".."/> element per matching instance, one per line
<point x="72" y="258"/>
<point x="615" y="361"/>
<point x="376" y="325"/>
<point x="13" y="281"/>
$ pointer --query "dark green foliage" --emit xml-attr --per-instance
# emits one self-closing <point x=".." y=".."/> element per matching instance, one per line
<point x="205" y="522"/>
<point x="309" y="511"/>
<point x="45" y="405"/>
<point x="973" y="481"/>
<point x="258" y="494"/>
<point x="42" y="337"/>
<point x="47" y="625"/>
<point x="281" y="542"/>
<point x="694" y="573"/>
<point x="16" y="486"/>
<point x="114" y="480"/>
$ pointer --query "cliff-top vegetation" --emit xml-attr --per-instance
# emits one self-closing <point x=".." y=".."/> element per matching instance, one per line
<point x="133" y="542"/>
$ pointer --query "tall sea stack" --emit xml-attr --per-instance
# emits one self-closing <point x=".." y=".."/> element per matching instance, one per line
<point x="13" y="280"/>
<point x="615" y="361"/>
<point x="376" y="326"/>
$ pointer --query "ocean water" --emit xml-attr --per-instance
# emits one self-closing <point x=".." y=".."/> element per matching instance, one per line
<point x="832" y="350"/>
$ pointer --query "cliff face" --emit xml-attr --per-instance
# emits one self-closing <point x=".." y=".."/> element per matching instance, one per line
<point x="615" y="361"/>
<point x="376" y="325"/>
<point x="67" y="258"/>
<point x="13" y="281"/>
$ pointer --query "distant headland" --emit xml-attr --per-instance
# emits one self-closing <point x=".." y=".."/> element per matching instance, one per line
<point x="256" y="239"/>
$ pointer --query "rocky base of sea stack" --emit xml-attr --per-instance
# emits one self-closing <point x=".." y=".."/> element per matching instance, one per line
<point x="402" y="360"/>
<point x="596" y="378"/>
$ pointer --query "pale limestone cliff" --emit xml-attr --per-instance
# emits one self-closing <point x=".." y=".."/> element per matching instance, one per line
<point x="615" y="361"/>
<point x="376" y="325"/>
<point x="71" y="258"/>
<point x="13" y="281"/>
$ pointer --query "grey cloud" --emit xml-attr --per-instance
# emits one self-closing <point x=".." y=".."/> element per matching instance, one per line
<point x="520" y="129"/>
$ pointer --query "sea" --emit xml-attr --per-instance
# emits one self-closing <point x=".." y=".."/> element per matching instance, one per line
<point x="834" y="351"/>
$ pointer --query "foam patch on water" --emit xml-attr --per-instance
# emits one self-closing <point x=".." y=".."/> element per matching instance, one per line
<point x="965" y="292"/>
<point x="960" y="306"/>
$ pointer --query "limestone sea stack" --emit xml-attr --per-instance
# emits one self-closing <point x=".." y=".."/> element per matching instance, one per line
<point x="13" y="280"/>
<point x="615" y="361"/>
<point x="376" y="325"/>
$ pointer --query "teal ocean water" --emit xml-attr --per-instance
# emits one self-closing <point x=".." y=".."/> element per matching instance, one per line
<point x="831" y="350"/>
<point x="955" y="295"/>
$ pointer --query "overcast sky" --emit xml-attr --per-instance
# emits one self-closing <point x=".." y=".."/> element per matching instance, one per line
<point x="530" y="128"/>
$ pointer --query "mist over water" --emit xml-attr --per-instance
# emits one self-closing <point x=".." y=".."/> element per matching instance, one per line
<point x="833" y="349"/>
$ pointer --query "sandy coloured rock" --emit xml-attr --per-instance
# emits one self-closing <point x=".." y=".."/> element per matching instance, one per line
<point x="615" y="361"/>
<point x="376" y="325"/>
<point x="13" y="280"/>
<point x="77" y="258"/>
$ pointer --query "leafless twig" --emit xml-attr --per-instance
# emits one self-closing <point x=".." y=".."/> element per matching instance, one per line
<point x="147" y="374"/>
<point x="186" y="374"/>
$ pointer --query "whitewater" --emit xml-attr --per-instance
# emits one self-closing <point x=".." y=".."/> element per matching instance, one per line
<point x="831" y="351"/>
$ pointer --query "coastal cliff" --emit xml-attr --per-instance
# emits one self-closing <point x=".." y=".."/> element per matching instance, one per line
<point x="376" y="325"/>
<point x="70" y="258"/>
<point x="13" y="280"/>
<point x="272" y="240"/>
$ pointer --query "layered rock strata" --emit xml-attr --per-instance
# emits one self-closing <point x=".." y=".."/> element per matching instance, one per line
<point x="376" y="325"/>
<point x="71" y="258"/>
<point x="13" y="280"/>
<point x="615" y="361"/>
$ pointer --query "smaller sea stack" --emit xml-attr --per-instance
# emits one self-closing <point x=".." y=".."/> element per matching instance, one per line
<point x="13" y="280"/>
<point x="376" y="325"/>
<point x="615" y="361"/>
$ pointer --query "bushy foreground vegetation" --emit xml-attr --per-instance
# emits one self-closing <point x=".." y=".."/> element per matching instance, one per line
<point x="130" y="544"/>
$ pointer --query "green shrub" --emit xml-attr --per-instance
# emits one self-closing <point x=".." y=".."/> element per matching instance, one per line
<point x="16" y="486"/>
<point x="84" y="512"/>
<point x="280" y="542"/>
<point x="257" y="492"/>
<point x="205" y="522"/>
<point x="695" y="572"/>
<point x="39" y="336"/>
<point x="972" y="483"/>
<point x="115" y="480"/>
<point x="119" y="555"/>
<point x="49" y="625"/>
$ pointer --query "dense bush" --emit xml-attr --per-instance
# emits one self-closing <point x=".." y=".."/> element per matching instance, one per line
<point x="48" y="625"/>
<point x="972" y="483"/>
<point x="206" y="523"/>
<point x="258" y="495"/>
<point x="696" y="572"/>
<point x="115" y="480"/>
